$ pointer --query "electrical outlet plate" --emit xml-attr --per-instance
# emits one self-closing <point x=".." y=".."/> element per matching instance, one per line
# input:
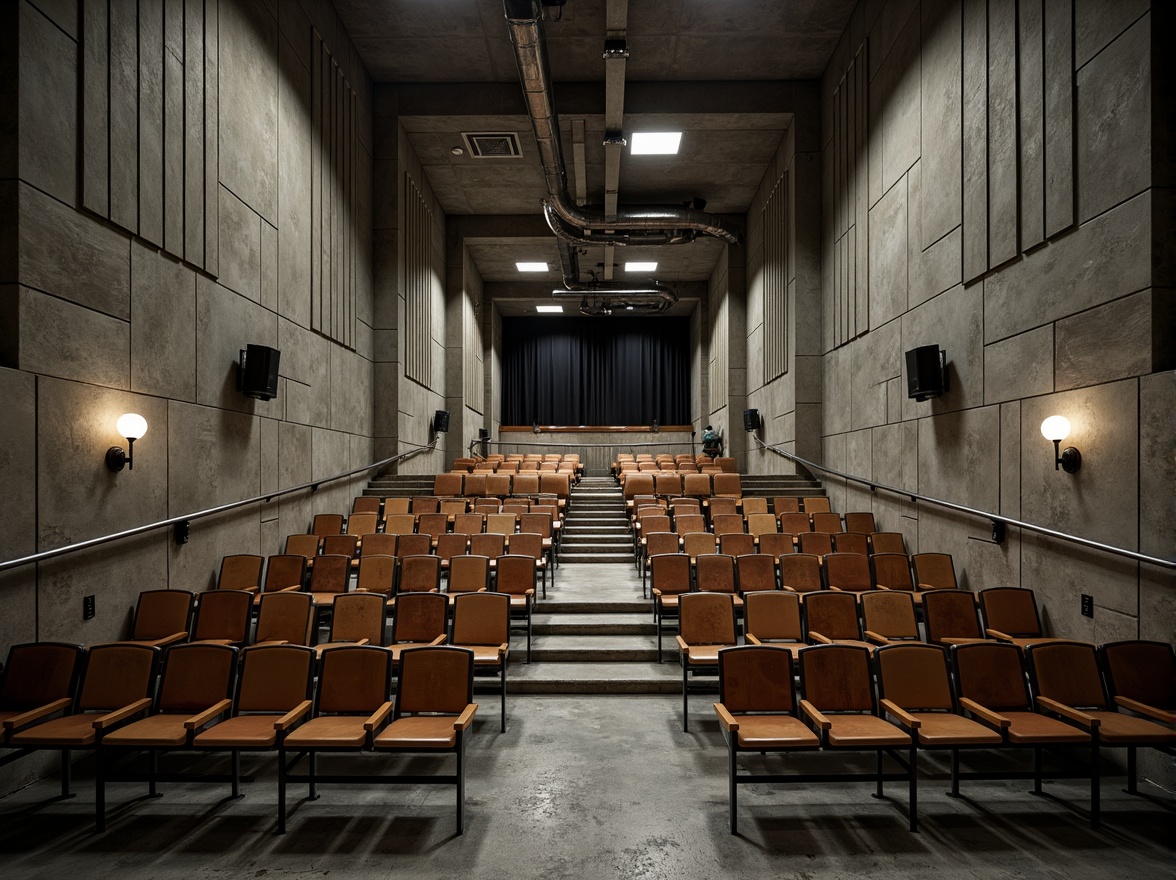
<point x="1087" y="605"/>
<point x="87" y="608"/>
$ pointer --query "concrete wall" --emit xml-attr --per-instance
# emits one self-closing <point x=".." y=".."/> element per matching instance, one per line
<point x="1042" y="278"/>
<point x="111" y="301"/>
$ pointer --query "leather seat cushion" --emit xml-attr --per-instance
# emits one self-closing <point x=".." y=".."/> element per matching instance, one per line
<point x="1030" y="727"/>
<point x="76" y="731"/>
<point x="945" y="729"/>
<point x="419" y="732"/>
<point x="864" y="731"/>
<point x="242" y="732"/>
<point x="774" y="732"/>
<point x="329" y="732"/>
<point x="156" y="730"/>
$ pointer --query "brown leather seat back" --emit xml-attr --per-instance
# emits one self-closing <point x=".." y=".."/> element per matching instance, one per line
<point x="915" y="676"/>
<point x="196" y="676"/>
<point x="340" y="545"/>
<point x="833" y="615"/>
<point x="1143" y="671"/>
<point x="836" y="678"/>
<point x="452" y="544"/>
<point x="785" y="504"/>
<point x="160" y="613"/>
<point x="1067" y="672"/>
<point x="362" y="524"/>
<point x="395" y="506"/>
<point x="38" y="673"/>
<point x="860" y="521"/>
<point x="469" y="523"/>
<point x="670" y="572"/>
<point x="526" y="544"/>
<point x="715" y="573"/>
<point x="718" y="506"/>
<point x="305" y="546"/>
<point x="116" y="675"/>
<point x="761" y="524"/>
<point x="815" y="543"/>
<point x="354" y="679"/>
<point x="400" y="524"/>
<point x="224" y="614"/>
<point x="776" y="544"/>
<point x="420" y="617"/>
<point x="325" y="524"/>
<point x="695" y="544"/>
<point x="285" y="570"/>
<point x="893" y="571"/>
<point x="934" y="570"/>
<point x="475" y="485"/>
<point x="887" y="542"/>
<point x="414" y="545"/>
<point x="755" y="505"/>
<point x="756" y="679"/>
<point x="773" y="615"/>
<point x="826" y="521"/>
<point x="851" y="542"/>
<point x="377" y="574"/>
<point x="951" y="614"/>
<point x="241" y="571"/>
<point x="447" y="485"/>
<point x="688" y="523"/>
<point x="755" y="571"/>
<point x="469" y="573"/>
<point x="707" y="619"/>
<point x="991" y="674"/>
<point x="481" y="619"/>
<point x="365" y="504"/>
<point x="795" y="523"/>
<point x="890" y="614"/>
<point x="727" y="484"/>
<point x="378" y="544"/>
<point x="516" y="574"/>
<point x="525" y="484"/>
<point x="1012" y="610"/>
<point x="725" y="523"/>
<point x="435" y="679"/>
<point x="274" y="678"/>
<point x="815" y="504"/>
<point x="736" y="543"/>
<point x="419" y="574"/>
<point x="847" y="571"/>
<point x="488" y="544"/>
<point x="356" y="616"/>
<point x="657" y="543"/>
<point x="434" y="524"/>
<point x="696" y="485"/>
<point x="330" y="573"/>
<point x="285" y="617"/>
<point x="801" y="572"/>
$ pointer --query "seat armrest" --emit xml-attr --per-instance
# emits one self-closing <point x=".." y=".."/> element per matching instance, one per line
<point x="881" y="587"/>
<point x="112" y="718"/>
<point x="752" y="640"/>
<point x="682" y="646"/>
<point x="378" y="717"/>
<point x="26" y="718"/>
<point x="788" y="588"/>
<point x="197" y="721"/>
<point x="985" y="714"/>
<point x="908" y="720"/>
<point x="440" y="640"/>
<point x="170" y="640"/>
<point x="1125" y="702"/>
<point x="363" y="641"/>
<point x="725" y="718"/>
<point x="466" y="718"/>
<point x="997" y="634"/>
<point x="820" y="639"/>
<point x="1069" y="712"/>
<point x="835" y="588"/>
<point x="291" y="589"/>
<point x="503" y="650"/>
<point x="287" y="720"/>
<point x="877" y="637"/>
<point x="815" y="714"/>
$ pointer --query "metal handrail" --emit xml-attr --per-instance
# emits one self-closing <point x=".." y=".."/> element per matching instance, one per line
<point x="181" y="523"/>
<point x="995" y="518"/>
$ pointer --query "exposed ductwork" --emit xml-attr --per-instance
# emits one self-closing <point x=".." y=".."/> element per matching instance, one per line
<point x="577" y="226"/>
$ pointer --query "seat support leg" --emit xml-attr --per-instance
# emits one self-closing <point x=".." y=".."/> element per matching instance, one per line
<point x="685" y="702"/>
<point x="312" y="764"/>
<point x="153" y="767"/>
<point x="236" y="756"/>
<point x="955" y="774"/>
<point x="66" y="773"/>
<point x="1095" y="782"/>
<point x="99" y="791"/>
<point x="732" y="787"/>
<point x="878" y="770"/>
<point x="1132" y="788"/>
<point x="460" y="783"/>
<point x="914" y="786"/>
<point x="503" y="694"/>
<point x="281" y="791"/>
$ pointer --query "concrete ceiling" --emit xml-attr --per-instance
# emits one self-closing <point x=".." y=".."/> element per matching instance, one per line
<point x="717" y="70"/>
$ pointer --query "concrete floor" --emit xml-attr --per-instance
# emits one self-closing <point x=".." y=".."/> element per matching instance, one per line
<point x="588" y="786"/>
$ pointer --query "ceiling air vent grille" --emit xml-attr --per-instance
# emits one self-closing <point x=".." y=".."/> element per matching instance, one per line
<point x="492" y="144"/>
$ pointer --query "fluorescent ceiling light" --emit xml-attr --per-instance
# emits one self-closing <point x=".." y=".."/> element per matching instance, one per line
<point x="655" y="143"/>
<point x="554" y="309"/>
<point x="640" y="267"/>
<point x="531" y="267"/>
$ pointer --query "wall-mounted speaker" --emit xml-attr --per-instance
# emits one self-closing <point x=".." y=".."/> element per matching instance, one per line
<point x="926" y="368"/>
<point x="751" y="420"/>
<point x="440" y="421"/>
<point x="258" y="373"/>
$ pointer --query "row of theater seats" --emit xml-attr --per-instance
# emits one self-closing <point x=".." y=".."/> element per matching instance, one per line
<point x="566" y="463"/>
<point x="456" y="485"/>
<point x="121" y="700"/>
<point x="683" y="463"/>
<point x="906" y="698"/>
<point x="668" y="484"/>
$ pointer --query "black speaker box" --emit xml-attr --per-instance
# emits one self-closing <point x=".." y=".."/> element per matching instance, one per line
<point x="751" y="420"/>
<point x="440" y="421"/>
<point x="926" y="368"/>
<point x="259" y="372"/>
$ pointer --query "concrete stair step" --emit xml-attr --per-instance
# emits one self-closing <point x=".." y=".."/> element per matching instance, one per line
<point x="596" y="558"/>
<point x="595" y="678"/>
<point x="598" y="649"/>
<point x="562" y="607"/>
<point x="593" y="624"/>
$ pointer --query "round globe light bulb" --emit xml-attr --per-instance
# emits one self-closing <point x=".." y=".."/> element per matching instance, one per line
<point x="131" y="425"/>
<point x="1055" y="428"/>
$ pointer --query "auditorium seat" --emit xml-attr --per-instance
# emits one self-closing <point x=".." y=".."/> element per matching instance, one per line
<point x="241" y="571"/>
<point x="706" y="624"/>
<point x="481" y="623"/>
<point x="162" y="617"/>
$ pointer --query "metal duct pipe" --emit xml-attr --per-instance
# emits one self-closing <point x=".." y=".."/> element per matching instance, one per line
<point x="662" y="224"/>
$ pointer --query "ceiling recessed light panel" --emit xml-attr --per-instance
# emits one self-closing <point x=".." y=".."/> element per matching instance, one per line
<point x="551" y="309"/>
<point x="656" y="143"/>
<point x="640" y="267"/>
<point x="531" y="267"/>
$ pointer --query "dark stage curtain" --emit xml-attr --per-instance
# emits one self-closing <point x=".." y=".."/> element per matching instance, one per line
<point x="596" y="371"/>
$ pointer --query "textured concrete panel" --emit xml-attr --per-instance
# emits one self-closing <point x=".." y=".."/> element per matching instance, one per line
<point x="351" y="392"/>
<point x="1059" y="116"/>
<point x="945" y="531"/>
<point x="294" y="469"/>
<point x="270" y="475"/>
<point x="1031" y="99"/>
<point x="975" y="140"/>
<point x="225" y="324"/>
<point x="306" y="360"/>
<point x="1105" y="259"/>
<point x="1113" y="124"/>
<point x="901" y="126"/>
<point x="939" y="267"/>
<point x="953" y="321"/>
<point x="874" y="360"/>
<point x="1157" y="604"/>
<point x="886" y="451"/>
<point x="173" y="143"/>
<point x="77" y="496"/>
<point x="240" y="247"/>
<point x="269" y="267"/>
<point x="151" y="121"/>
<point x="957" y="457"/>
<point x="859" y="455"/>
<point x="1059" y="573"/>
<point x="888" y="257"/>
<point x="833" y="455"/>
<point x="942" y="119"/>
<point x="114" y="574"/>
<point x="1010" y="460"/>
<point x="1002" y="131"/>
<point x="1020" y="366"/>
<point x="1106" y="343"/>
<point x="214" y="457"/>
<point x="124" y="114"/>
<point x="163" y="334"/>
<point x="48" y="107"/>
<point x="61" y="339"/>
<point x="993" y="565"/>
<point x="1098" y="23"/>
<point x="249" y="105"/>
<point x="330" y="453"/>
<point x="1157" y="459"/>
<point x="294" y="198"/>
<point x="196" y="565"/>
<point x="18" y="534"/>
<point x="1101" y="501"/>
<point x="71" y="256"/>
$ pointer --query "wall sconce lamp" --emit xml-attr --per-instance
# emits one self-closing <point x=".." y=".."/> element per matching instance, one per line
<point x="1057" y="429"/>
<point x="132" y="426"/>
